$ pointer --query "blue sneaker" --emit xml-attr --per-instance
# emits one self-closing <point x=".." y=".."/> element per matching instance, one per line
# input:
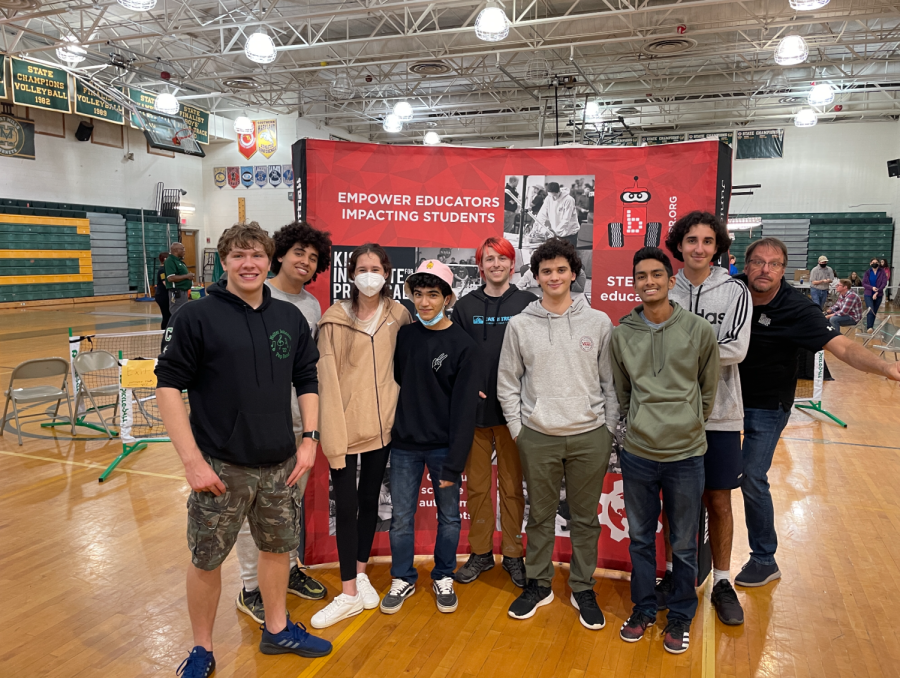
<point x="199" y="664"/>
<point x="294" y="639"/>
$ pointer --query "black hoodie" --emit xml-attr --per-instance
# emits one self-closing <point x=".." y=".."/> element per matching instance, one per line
<point x="484" y="319"/>
<point x="237" y="364"/>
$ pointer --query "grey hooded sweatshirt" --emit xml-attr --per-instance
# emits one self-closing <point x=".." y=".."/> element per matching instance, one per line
<point x="725" y="302"/>
<point x="555" y="375"/>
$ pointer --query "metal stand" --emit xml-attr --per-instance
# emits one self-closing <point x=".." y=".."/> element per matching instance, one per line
<point x="816" y="406"/>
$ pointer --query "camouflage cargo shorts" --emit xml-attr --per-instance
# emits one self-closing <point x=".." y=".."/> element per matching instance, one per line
<point x="258" y="493"/>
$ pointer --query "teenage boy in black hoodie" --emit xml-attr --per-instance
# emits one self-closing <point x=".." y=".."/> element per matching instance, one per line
<point x="438" y="367"/>
<point x="237" y="352"/>
<point x="484" y="314"/>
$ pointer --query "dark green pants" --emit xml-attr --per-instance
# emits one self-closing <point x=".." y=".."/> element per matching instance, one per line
<point x="583" y="460"/>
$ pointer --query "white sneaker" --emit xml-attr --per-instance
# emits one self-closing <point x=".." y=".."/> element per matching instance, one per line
<point x="340" y="608"/>
<point x="365" y="589"/>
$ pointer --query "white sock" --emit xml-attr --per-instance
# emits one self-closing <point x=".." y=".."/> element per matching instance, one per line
<point x="721" y="575"/>
<point x="668" y="566"/>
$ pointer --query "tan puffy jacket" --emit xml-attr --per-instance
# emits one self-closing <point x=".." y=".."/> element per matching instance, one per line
<point x="357" y="391"/>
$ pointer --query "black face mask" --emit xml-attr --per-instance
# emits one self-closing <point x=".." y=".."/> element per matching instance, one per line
<point x="874" y="264"/>
<point x="823" y="265"/>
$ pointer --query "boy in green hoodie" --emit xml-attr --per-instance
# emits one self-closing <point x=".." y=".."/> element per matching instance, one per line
<point x="666" y="366"/>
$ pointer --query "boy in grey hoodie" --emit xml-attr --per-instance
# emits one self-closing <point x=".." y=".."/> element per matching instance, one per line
<point x="556" y="388"/>
<point x="710" y="292"/>
<point x="666" y="367"/>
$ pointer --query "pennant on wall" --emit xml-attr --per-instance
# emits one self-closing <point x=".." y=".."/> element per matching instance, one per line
<point x="247" y="176"/>
<point x="261" y="173"/>
<point x="266" y="137"/>
<point x="287" y="174"/>
<point x="275" y="174"/>
<point x="247" y="143"/>
<point x="234" y="176"/>
<point x="219" y="176"/>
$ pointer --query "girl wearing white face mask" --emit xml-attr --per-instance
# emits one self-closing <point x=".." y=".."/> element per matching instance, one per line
<point x="357" y="400"/>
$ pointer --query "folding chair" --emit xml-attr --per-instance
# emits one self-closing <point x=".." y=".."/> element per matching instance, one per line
<point x="42" y="368"/>
<point x="92" y="362"/>
<point x="888" y="340"/>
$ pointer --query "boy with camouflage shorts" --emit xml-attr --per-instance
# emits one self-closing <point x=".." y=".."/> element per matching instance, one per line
<point x="237" y="352"/>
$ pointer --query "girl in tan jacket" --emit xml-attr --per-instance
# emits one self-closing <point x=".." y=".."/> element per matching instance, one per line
<point x="357" y="400"/>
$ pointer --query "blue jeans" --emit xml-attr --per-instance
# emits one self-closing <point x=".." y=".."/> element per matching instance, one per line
<point x="682" y="484"/>
<point x="407" y="468"/>
<point x="762" y="429"/>
<point x="872" y="305"/>
<point x="819" y="297"/>
<point x="839" y="321"/>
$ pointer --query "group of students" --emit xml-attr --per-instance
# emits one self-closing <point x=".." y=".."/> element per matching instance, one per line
<point x="542" y="382"/>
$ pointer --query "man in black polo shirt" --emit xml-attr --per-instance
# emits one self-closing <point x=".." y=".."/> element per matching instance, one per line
<point x="178" y="278"/>
<point x="783" y="321"/>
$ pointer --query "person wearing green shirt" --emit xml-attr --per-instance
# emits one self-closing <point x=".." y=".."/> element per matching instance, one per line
<point x="178" y="279"/>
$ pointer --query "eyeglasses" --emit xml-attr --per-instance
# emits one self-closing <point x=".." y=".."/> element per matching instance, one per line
<point x="773" y="265"/>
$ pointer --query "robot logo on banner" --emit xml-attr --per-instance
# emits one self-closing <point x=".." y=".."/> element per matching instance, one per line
<point x="247" y="176"/>
<point x="634" y="218"/>
<point x="261" y="174"/>
<point x="234" y="176"/>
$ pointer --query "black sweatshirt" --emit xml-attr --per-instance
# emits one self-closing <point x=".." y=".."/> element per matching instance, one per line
<point x="485" y="319"/>
<point x="439" y="374"/>
<point x="237" y="364"/>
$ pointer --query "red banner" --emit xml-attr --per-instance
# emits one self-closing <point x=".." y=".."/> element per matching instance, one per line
<point x="442" y="202"/>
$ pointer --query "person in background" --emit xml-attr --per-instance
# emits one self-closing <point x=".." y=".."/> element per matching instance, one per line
<point x="855" y="280"/>
<point x="511" y="204"/>
<point x="161" y="294"/>
<point x="732" y="265"/>
<point x="556" y="218"/>
<point x="358" y="400"/>
<point x="820" y="281"/>
<point x="886" y="267"/>
<point x="178" y="279"/>
<point x="484" y="314"/>
<point x="847" y="310"/>
<point x="874" y="282"/>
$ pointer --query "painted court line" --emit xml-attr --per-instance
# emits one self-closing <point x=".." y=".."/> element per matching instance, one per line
<point x="840" y="442"/>
<point x="317" y="665"/>
<point x="88" y="464"/>
<point x="708" y="661"/>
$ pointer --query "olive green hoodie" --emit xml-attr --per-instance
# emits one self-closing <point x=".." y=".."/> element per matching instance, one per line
<point x="666" y="383"/>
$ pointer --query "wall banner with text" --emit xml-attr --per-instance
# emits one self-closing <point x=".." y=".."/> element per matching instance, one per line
<point x="40" y="86"/>
<point x="197" y="119"/>
<point x="442" y="202"/>
<point x="754" y="144"/>
<point x="91" y="102"/>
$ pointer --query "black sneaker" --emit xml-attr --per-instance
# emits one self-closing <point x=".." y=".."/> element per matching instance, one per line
<point x="400" y="591"/>
<point x="633" y="629"/>
<point x="533" y="597"/>
<point x="677" y="636"/>
<point x="475" y="565"/>
<point x="300" y="584"/>
<point x="590" y="614"/>
<point x="757" y="574"/>
<point x="516" y="569"/>
<point x="199" y="664"/>
<point x="663" y="590"/>
<point x="446" y="599"/>
<point x="250" y="602"/>
<point x="728" y="607"/>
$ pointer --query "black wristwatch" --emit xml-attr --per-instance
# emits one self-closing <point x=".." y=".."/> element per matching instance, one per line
<point x="312" y="434"/>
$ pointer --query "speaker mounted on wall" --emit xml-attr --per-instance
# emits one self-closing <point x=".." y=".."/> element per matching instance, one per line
<point x="893" y="168"/>
<point x="84" y="131"/>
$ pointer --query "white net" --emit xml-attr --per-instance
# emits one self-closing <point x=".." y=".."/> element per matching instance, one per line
<point x="141" y="420"/>
<point x="810" y="390"/>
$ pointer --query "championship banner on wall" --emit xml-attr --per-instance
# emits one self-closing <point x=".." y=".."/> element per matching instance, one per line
<point x="92" y="103"/>
<point x="658" y="139"/>
<point x="724" y="137"/>
<point x="266" y="137"/>
<point x="442" y="202"/>
<point x="197" y="119"/>
<point x="760" y="143"/>
<point x="2" y="76"/>
<point x="40" y="86"/>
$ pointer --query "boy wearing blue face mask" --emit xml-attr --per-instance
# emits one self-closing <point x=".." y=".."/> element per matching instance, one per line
<point x="438" y="367"/>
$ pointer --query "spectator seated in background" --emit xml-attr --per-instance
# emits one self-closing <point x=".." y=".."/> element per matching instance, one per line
<point x="847" y="310"/>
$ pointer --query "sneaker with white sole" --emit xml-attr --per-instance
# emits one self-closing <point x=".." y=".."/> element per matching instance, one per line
<point x="400" y="591"/>
<point x="445" y="596"/>
<point x="367" y="591"/>
<point x="342" y="607"/>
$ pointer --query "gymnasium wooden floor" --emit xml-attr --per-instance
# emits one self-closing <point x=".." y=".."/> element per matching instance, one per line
<point x="92" y="576"/>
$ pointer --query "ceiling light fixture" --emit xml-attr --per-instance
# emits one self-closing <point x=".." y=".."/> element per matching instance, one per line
<point x="791" y="50"/>
<point x="403" y="110"/>
<point x="593" y="112"/>
<point x="243" y="125"/>
<point x="492" y="24"/>
<point x="138" y="5"/>
<point x="807" y="5"/>
<point x="821" y="95"/>
<point x="260" y="48"/>
<point x="537" y="70"/>
<point x="166" y="103"/>
<point x="392" y="123"/>
<point x="806" y="118"/>
<point x="432" y="138"/>
<point x="71" y="53"/>
<point x="342" y="87"/>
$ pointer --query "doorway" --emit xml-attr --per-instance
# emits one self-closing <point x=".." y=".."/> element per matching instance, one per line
<point x="189" y="240"/>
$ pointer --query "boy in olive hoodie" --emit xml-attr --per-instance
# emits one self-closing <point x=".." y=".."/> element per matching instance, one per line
<point x="666" y="366"/>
